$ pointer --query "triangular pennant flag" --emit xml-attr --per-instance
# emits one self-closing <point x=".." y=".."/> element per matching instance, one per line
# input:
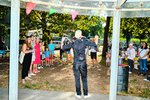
<point x="52" y="11"/>
<point x="29" y="7"/>
<point x="74" y="14"/>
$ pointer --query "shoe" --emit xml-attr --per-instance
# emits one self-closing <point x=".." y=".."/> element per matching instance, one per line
<point x="146" y="80"/>
<point x="27" y="78"/>
<point x="78" y="96"/>
<point x="130" y="72"/>
<point x="29" y="75"/>
<point x="87" y="96"/>
<point x="23" y="81"/>
<point x="140" y="74"/>
<point x="144" y="74"/>
<point x="32" y="74"/>
<point x="39" y="67"/>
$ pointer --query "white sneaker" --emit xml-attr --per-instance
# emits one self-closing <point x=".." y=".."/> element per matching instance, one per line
<point x="29" y="75"/>
<point x="32" y="74"/>
<point x="27" y="78"/>
<point x="146" y="80"/>
<point x="130" y="72"/>
<point x="87" y="96"/>
<point x="78" y="96"/>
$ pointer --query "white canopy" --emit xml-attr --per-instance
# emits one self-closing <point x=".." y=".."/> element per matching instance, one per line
<point x="115" y="8"/>
<point x="129" y="8"/>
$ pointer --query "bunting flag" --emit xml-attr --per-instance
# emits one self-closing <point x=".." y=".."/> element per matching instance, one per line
<point x="29" y="7"/>
<point x="52" y="11"/>
<point x="74" y="14"/>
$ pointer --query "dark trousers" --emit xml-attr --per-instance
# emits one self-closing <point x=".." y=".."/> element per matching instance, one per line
<point x="80" y="70"/>
<point x="26" y="65"/>
<point x="131" y="64"/>
<point x="61" y="53"/>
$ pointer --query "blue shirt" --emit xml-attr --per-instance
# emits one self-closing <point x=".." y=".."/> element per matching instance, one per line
<point x="51" y="48"/>
<point x="47" y="54"/>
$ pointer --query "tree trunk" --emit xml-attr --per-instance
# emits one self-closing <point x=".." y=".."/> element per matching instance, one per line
<point x="105" y="41"/>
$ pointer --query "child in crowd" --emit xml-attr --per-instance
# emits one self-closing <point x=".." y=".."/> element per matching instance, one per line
<point x="40" y="65"/>
<point x="47" y="56"/>
<point x="108" y="60"/>
<point x="69" y="56"/>
<point x="37" y="60"/>
<point x="51" y="49"/>
<point x="93" y="51"/>
<point x="43" y="53"/>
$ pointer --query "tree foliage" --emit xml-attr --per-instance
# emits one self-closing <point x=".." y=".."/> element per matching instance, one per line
<point x="3" y="19"/>
<point x="60" y="23"/>
<point x="134" y="28"/>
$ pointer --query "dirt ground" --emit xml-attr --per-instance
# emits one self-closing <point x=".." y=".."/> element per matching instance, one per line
<point x="59" y="77"/>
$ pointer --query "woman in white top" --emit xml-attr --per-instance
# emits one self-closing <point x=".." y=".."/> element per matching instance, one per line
<point x="131" y="55"/>
<point x="143" y="55"/>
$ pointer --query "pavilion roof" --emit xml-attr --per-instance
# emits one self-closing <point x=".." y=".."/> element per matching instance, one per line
<point x="129" y="8"/>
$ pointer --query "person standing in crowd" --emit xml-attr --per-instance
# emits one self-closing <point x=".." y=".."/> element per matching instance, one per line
<point x="40" y="66"/>
<point x="143" y="56"/>
<point x="43" y="55"/>
<point x="69" y="56"/>
<point x="108" y="62"/>
<point x="79" y="64"/>
<point x="37" y="60"/>
<point x="130" y="55"/>
<point x="51" y="49"/>
<point x="26" y="49"/>
<point x="33" y="55"/>
<point x="47" y="56"/>
<point x="61" y="51"/>
<point x="93" y="51"/>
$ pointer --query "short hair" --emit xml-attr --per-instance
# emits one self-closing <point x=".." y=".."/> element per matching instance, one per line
<point x="78" y="33"/>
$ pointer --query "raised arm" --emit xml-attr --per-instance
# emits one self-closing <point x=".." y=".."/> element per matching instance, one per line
<point x="68" y="46"/>
<point x="90" y="43"/>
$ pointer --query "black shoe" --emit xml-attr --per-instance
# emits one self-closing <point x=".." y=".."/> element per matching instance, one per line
<point x="144" y="74"/>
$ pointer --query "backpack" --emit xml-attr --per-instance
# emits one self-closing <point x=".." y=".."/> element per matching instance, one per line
<point x="79" y="47"/>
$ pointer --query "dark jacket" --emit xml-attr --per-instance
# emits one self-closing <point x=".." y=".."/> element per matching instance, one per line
<point x="82" y="51"/>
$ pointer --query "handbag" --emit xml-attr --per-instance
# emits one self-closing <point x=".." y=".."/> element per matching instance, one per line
<point x="21" y="57"/>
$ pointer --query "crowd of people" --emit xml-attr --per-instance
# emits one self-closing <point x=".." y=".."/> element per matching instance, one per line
<point x="133" y="57"/>
<point x="38" y="54"/>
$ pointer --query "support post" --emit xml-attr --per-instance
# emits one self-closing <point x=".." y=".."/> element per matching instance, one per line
<point x="115" y="54"/>
<point x="14" y="49"/>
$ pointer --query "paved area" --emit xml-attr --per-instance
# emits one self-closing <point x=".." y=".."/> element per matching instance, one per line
<point x="26" y="94"/>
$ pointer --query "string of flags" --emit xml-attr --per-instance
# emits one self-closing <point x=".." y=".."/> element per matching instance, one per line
<point x="30" y="6"/>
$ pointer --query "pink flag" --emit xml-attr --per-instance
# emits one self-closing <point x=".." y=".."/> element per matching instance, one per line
<point x="74" y="14"/>
<point x="29" y="7"/>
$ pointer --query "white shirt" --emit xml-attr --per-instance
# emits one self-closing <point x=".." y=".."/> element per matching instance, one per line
<point x="93" y="49"/>
<point x="131" y="53"/>
<point x="143" y="52"/>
